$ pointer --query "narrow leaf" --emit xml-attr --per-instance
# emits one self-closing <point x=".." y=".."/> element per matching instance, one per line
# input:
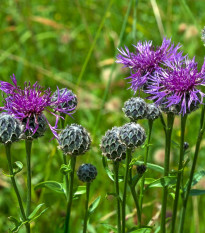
<point x="196" y="192"/>
<point x="52" y="185"/>
<point x="18" y="167"/>
<point x="142" y="230"/>
<point x="109" y="227"/>
<point x="151" y="166"/>
<point x="37" y="216"/>
<point x="18" y="224"/>
<point x="197" y="177"/>
<point x="107" y="170"/>
<point x="35" y="211"/>
<point x="5" y="174"/>
<point x="80" y="190"/>
<point x="94" y="205"/>
<point x="163" y="182"/>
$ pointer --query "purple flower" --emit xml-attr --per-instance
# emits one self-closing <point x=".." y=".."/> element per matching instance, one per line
<point x="177" y="86"/>
<point x="147" y="60"/>
<point x="28" y="104"/>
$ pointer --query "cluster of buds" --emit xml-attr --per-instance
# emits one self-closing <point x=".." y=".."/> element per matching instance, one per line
<point x="117" y="140"/>
<point x="136" y="108"/>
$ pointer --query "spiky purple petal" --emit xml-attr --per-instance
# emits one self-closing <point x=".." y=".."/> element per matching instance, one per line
<point x="177" y="85"/>
<point x="147" y="60"/>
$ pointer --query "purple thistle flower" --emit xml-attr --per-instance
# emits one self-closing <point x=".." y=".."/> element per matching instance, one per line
<point x="176" y="86"/>
<point x="147" y="60"/>
<point x="28" y="104"/>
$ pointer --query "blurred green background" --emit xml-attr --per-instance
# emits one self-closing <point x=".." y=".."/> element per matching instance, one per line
<point x="73" y="44"/>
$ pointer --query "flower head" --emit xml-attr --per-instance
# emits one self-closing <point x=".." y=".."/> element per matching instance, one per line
<point x="176" y="86"/>
<point x="147" y="60"/>
<point x="29" y="103"/>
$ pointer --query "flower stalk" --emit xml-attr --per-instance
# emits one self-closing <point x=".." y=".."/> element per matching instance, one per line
<point x="180" y="172"/>
<point x="116" y="170"/>
<point x="70" y="194"/>
<point x="65" y="159"/>
<point x="8" y="154"/>
<point x="86" y="207"/>
<point x="197" y="148"/>
<point x="28" y="145"/>
<point x="150" y="122"/>
<point x="128" y="159"/>
<point x="170" y="121"/>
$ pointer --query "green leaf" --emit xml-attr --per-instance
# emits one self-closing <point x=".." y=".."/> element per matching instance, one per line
<point x="142" y="230"/>
<point x="52" y="185"/>
<point x="18" y="167"/>
<point x="149" y="180"/>
<point x="18" y="224"/>
<point x="163" y="182"/>
<point x="65" y="169"/>
<point x="37" y="216"/>
<point x="80" y="190"/>
<point x="35" y="211"/>
<point x="94" y="205"/>
<point x="151" y="166"/>
<point x="196" y="192"/>
<point x="107" y="170"/>
<point x="109" y="227"/>
<point x="34" y="215"/>
<point x="197" y="177"/>
<point x="5" y="174"/>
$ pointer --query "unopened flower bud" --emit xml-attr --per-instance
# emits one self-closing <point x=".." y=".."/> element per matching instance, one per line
<point x="153" y="112"/>
<point x="132" y="134"/>
<point x="87" y="173"/>
<point x="71" y="103"/>
<point x="135" y="108"/>
<point x="34" y="127"/>
<point x="10" y="128"/>
<point x="141" y="169"/>
<point x="186" y="145"/>
<point x="111" y="145"/>
<point x="74" y="140"/>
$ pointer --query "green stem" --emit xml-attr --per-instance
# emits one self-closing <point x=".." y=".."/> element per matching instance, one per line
<point x="197" y="148"/>
<point x="70" y="194"/>
<point x="65" y="156"/>
<point x="180" y="171"/>
<point x="134" y="195"/>
<point x="116" y="169"/>
<point x="66" y="175"/>
<point x="28" y="144"/>
<point x="86" y="207"/>
<point x="150" y="122"/>
<point x="170" y="121"/>
<point x="128" y="158"/>
<point x="8" y="154"/>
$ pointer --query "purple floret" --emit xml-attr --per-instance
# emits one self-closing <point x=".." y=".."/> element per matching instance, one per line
<point x="30" y="102"/>
<point x="177" y="85"/>
<point x="146" y="61"/>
